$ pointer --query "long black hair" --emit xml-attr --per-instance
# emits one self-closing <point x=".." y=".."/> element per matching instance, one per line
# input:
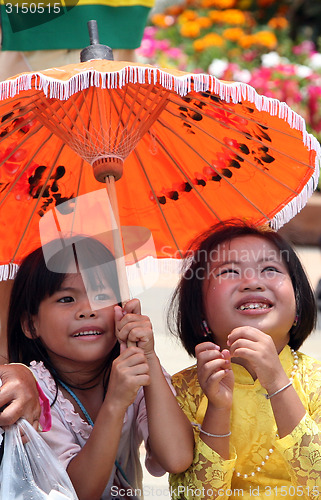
<point x="39" y="276"/>
<point x="186" y="310"/>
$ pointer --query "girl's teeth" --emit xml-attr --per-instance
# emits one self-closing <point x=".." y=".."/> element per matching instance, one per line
<point x="254" y="306"/>
<point x="91" y="332"/>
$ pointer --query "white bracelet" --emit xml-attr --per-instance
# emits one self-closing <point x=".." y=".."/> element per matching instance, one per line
<point x="211" y="435"/>
<point x="277" y="392"/>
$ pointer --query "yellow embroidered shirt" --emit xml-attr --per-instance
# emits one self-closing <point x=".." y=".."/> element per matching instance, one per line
<point x="292" y="471"/>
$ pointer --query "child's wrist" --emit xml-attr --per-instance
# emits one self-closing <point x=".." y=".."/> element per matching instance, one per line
<point x="114" y="407"/>
<point x="152" y="357"/>
<point x="214" y="408"/>
<point x="274" y="386"/>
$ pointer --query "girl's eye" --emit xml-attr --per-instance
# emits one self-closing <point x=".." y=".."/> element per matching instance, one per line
<point x="66" y="300"/>
<point x="102" y="296"/>
<point x="271" y="269"/>
<point x="230" y="271"/>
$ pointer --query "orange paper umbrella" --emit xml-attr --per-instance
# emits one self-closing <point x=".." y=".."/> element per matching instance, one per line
<point x="185" y="149"/>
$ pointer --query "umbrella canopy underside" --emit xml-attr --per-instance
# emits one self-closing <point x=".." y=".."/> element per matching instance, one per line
<point x="195" y="150"/>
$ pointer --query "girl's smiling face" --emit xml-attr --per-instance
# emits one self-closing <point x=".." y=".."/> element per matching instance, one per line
<point x="72" y="330"/>
<point x="249" y="285"/>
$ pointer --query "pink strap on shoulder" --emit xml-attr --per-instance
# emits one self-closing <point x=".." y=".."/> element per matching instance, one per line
<point x="45" y="416"/>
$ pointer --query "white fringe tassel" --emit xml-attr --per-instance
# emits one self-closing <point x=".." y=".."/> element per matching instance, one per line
<point x="8" y="271"/>
<point x="296" y="205"/>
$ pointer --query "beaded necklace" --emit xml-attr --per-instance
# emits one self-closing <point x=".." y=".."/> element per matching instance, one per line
<point x="271" y="450"/>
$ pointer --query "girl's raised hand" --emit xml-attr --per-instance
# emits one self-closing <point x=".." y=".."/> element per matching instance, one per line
<point x="132" y="326"/>
<point x="261" y="358"/>
<point x="215" y="374"/>
<point x="129" y="372"/>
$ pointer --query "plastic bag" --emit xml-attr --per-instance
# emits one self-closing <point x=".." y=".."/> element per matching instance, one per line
<point x="31" y="470"/>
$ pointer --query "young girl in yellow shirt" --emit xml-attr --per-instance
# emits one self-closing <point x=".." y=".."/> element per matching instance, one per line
<point x="243" y="308"/>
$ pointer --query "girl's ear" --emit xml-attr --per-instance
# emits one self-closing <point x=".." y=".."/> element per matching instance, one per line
<point x="28" y="327"/>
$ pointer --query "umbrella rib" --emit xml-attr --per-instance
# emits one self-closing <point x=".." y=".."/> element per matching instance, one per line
<point x="91" y="97"/>
<point x="66" y="111"/>
<point x="78" y="109"/>
<point x="253" y="122"/>
<point x="90" y="110"/>
<point x="22" y="108"/>
<point x="159" y="106"/>
<point x="119" y="112"/>
<point x="123" y="101"/>
<point x="53" y="113"/>
<point x="249" y="119"/>
<point x="80" y="178"/>
<point x="215" y="170"/>
<point x="77" y="193"/>
<point x="156" y="110"/>
<point x="86" y="127"/>
<point x="145" y="124"/>
<point x="112" y="102"/>
<point x="18" y="115"/>
<point x="25" y="139"/>
<point x="76" y="146"/>
<point x="84" y="104"/>
<point x="12" y="186"/>
<point x="46" y="118"/>
<point x="157" y="202"/>
<point x="102" y="116"/>
<point x="187" y="178"/>
<point x="134" y="98"/>
<point x="149" y="110"/>
<point x="36" y="204"/>
<point x="219" y="108"/>
<point x="233" y="151"/>
<point x="110" y="108"/>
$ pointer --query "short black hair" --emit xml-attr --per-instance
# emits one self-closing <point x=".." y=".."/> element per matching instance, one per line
<point x="39" y="277"/>
<point x="186" y="310"/>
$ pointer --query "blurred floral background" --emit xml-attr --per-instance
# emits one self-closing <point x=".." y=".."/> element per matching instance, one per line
<point x="273" y="45"/>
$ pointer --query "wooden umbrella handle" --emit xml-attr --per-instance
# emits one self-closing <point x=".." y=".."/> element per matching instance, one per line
<point x="118" y="245"/>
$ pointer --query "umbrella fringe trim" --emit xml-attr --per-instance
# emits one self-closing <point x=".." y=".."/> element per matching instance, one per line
<point x="182" y="85"/>
<point x="8" y="271"/>
<point x="296" y="205"/>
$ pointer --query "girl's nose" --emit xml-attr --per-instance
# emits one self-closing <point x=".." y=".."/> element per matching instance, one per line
<point x="251" y="281"/>
<point x="86" y="312"/>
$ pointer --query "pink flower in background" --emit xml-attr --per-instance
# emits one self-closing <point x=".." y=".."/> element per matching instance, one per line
<point x="150" y="31"/>
<point x="147" y="49"/>
<point x="175" y="53"/>
<point x="163" y="45"/>
<point x="314" y="107"/>
<point x="261" y="80"/>
<point x="306" y="47"/>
